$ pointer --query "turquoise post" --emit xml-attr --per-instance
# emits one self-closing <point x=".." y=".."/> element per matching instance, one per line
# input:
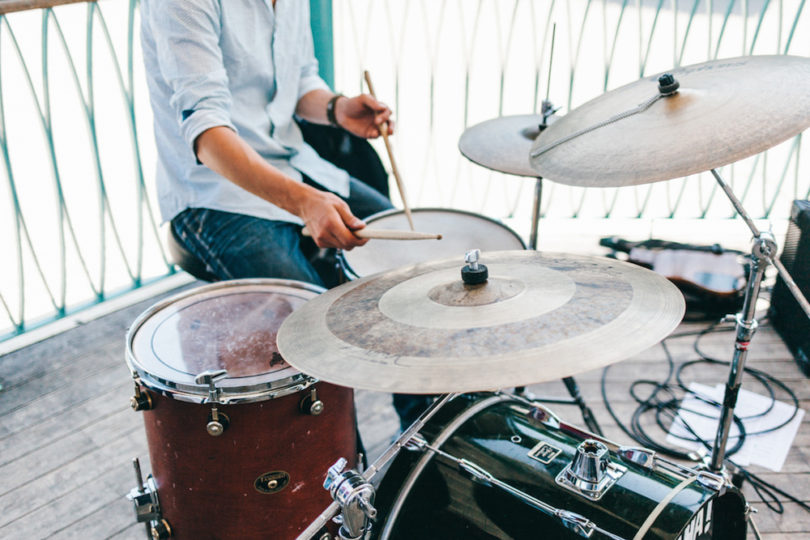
<point x="321" y="20"/>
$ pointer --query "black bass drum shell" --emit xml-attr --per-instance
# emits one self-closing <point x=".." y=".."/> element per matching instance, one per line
<point x="497" y="433"/>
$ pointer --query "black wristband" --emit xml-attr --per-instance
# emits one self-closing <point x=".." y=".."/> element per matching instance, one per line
<point x="330" y="110"/>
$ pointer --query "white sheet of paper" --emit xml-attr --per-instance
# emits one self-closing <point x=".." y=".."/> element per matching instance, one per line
<point x="768" y="450"/>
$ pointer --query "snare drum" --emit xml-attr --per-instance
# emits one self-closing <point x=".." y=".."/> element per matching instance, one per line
<point x="240" y="455"/>
<point x="461" y="231"/>
<point x="498" y="466"/>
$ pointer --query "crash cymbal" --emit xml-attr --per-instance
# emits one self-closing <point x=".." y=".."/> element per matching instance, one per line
<point x="502" y="144"/>
<point x="724" y="111"/>
<point x="539" y="317"/>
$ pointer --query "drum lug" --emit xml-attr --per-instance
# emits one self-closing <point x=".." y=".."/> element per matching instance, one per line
<point x="144" y="497"/>
<point x="310" y="404"/>
<point x="711" y="480"/>
<point x="639" y="456"/>
<point x="217" y="421"/>
<point x="141" y="401"/>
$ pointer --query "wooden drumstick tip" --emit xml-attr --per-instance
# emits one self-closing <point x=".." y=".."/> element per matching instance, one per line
<point x="387" y="234"/>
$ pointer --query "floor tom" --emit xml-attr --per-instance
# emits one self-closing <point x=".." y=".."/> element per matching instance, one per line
<point x="240" y="456"/>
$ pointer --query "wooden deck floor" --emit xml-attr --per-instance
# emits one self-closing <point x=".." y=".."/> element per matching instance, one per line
<point x="68" y="434"/>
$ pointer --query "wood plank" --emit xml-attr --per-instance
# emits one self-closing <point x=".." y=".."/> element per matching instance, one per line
<point x="794" y="520"/>
<point x="64" y="399"/>
<point x="52" y="463"/>
<point x="109" y="519"/>
<point x="132" y="532"/>
<point x="43" y="359"/>
<point x="10" y="6"/>
<point x="84" y="368"/>
<point x="61" y="514"/>
<point x="80" y="416"/>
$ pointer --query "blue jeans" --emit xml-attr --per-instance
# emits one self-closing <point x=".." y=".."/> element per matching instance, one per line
<point x="235" y="246"/>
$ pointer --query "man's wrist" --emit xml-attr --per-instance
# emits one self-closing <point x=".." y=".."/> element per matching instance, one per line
<point x="331" y="110"/>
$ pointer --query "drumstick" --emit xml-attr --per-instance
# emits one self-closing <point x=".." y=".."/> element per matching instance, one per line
<point x="387" y="234"/>
<point x="384" y="131"/>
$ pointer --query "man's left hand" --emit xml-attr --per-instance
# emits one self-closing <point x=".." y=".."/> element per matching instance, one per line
<point x="363" y="115"/>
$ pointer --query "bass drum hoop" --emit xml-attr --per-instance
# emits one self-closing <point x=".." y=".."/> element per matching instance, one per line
<point x="228" y="395"/>
<point x="350" y="273"/>
<point x="423" y="462"/>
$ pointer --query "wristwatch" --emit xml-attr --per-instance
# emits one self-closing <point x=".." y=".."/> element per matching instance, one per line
<point x="330" y="110"/>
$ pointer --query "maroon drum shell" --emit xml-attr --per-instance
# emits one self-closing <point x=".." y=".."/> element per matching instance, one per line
<point x="217" y="486"/>
<point x="206" y="484"/>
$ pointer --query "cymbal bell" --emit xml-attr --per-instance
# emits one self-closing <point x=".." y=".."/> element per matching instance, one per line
<point x="538" y="317"/>
<point x="502" y="144"/>
<point x="724" y="111"/>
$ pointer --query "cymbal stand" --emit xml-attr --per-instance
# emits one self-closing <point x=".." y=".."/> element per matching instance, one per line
<point x="353" y="492"/>
<point x="547" y="110"/>
<point x="763" y="251"/>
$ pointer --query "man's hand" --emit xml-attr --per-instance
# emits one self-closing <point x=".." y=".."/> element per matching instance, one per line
<point x="362" y="116"/>
<point x="330" y="222"/>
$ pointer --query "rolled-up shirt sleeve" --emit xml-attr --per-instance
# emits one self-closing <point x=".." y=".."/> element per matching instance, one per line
<point x="190" y="60"/>
<point x="310" y="79"/>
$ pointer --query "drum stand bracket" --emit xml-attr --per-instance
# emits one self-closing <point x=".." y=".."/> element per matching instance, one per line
<point x="355" y="497"/>
<point x="144" y="497"/>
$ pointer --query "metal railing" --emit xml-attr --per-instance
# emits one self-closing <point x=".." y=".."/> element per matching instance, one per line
<point x="449" y="64"/>
<point x="77" y="219"/>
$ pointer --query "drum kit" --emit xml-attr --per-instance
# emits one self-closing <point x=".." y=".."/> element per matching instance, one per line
<point x="246" y="386"/>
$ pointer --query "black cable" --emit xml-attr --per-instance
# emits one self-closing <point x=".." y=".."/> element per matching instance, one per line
<point x="663" y="402"/>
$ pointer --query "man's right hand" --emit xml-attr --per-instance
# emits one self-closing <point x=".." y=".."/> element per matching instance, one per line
<point x="326" y="215"/>
<point x="330" y="221"/>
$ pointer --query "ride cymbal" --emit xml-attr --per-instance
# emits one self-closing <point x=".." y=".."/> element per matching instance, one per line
<point x="502" y="144"/>
<point x="723" y="111"/>
<point x="538" y="317"/>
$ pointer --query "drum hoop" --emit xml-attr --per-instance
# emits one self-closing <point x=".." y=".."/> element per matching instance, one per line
<point x="440" y="439"/>
<point x="352" y="275"/>
<point x="199" y="393"/>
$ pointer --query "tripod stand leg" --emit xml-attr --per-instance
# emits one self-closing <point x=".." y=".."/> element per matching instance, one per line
<point x="754" y="525"/>
<point x="587" y="415"/>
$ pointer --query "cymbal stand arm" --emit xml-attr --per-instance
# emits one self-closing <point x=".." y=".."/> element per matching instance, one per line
<point x="362" y="503"/>
<point x="783" y="273"/>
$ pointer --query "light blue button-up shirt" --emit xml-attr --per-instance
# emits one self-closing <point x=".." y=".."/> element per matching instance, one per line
<point x="234" y="63"/>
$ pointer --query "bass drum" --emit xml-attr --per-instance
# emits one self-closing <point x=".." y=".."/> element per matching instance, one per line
<point x="494" y="466"/>
<point x="461" y="231"/>
<point x="254" y="467"/>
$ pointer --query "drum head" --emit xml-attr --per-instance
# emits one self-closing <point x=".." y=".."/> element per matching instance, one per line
<point x="230" y="325"/>
<point x="461" y="231"/>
